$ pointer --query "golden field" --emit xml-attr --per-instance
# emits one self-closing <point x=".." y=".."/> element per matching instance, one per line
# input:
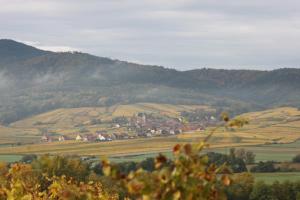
<point x="69" y="121"/>
<point x="279" y="125"/>
<point x="69" y="117"/>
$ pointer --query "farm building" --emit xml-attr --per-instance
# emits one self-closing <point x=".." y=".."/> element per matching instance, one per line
<point x="61" y="138"/>
<point x="78" y="138"/>
<point x="46" y="138"/>
<point x="101" y="137"/>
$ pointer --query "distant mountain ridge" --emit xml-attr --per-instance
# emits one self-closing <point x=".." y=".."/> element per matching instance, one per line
<point x="11" y="50"/>
<point x="34" y="81"/>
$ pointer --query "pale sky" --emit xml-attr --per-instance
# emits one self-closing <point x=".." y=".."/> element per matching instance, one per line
<point x="181" y="34"/>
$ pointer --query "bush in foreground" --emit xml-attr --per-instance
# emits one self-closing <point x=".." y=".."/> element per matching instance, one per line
<point x="188" y="176"/>
<point x="22" y="182"/>
<point x="276" y="191"/>
<point x="296" y="159"/>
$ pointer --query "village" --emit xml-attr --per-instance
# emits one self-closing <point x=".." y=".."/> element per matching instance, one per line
<point x="144" y="125"/>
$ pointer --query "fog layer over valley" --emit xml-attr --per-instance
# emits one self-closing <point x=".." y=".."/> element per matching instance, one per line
<point x="34" y="81"/>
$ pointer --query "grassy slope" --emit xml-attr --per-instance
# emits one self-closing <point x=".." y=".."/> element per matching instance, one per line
<point x="9" y="135"/>
<point x="67" y="118"/>
<point x="67" y="121"/>
<point x="278" y="176"/>
<point x="275" y="152"/>
<point x="280" y="124"/>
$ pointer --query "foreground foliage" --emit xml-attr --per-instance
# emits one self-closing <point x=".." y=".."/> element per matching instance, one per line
<point x="276" y="191"/>
<point x="188" y="176"/>
<point x="21" y="181"/>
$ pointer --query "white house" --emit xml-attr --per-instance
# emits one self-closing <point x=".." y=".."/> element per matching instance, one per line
<point x="61" y="138"/>
<point x="148" y="134"/>
<point x="78" y="138"/>
<point x="101" y="137"/>
<point x="45" y="138"/>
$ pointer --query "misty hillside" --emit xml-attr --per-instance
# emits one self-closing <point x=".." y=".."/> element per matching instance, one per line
<point x="34" y="81"/>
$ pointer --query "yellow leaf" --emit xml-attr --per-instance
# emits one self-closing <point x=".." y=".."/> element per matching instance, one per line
<point x="146" y="197"/>
<point x="106" y="170"/>
<point x="226" y="180"/>
<point x="176" y="195"/>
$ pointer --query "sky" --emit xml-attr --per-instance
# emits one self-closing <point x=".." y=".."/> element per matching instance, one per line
<point x="181" y="34"/>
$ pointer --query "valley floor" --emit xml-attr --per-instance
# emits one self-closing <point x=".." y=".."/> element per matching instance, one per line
<point x="271" y="134"/>
<point x="277" y="176"/>
<point x="139" y="149"/>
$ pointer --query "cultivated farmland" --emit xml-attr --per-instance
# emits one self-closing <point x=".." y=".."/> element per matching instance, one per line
<point x="271" y="128"/>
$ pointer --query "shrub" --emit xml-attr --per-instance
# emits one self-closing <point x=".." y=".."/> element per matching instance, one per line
<point x="188" y="176"/>
<point x="265" y="167"/>
<point x="120" y="120"/>
<point x="276" y="191"/>
<point x="247" y="156"/>
<point x="95" y="121"/>
<point x="23" y="182"/>
<point x="148" y="164"/>
<point x="28" y="158"/>
<point x="83" y="129"/>
<point x="262" y="191"/>
<point x="236" y="164"/>
<point x="61" y="165"/>
<point x="241" y="187"/>
<point x="296" y="159"/>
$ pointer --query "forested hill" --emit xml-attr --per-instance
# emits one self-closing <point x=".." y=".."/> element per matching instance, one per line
<point x="34" y="81"/>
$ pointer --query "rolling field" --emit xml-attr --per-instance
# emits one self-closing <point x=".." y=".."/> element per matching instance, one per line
<point x="10" y="135"/>
<point x="70" y="117"/>
<point x="70" y="121"/>
<point x="10" y="158"/>
<point x="138" y="149"/>
<point x="275" y="152"/>
<point x="280" y="125"/>
<point x="118" y="147"/>
<point x="113" y="148"/>
<point x="278" y="176"/>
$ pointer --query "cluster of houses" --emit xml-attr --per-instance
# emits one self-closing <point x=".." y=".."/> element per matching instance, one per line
<point x="86" y="138"/>
<point x="140" y="125"/>
<point x="148" y="125"/>
<point x="100" y="136"/>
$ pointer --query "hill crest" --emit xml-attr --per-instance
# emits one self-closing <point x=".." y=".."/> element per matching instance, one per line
<point x="35" y="81"/>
